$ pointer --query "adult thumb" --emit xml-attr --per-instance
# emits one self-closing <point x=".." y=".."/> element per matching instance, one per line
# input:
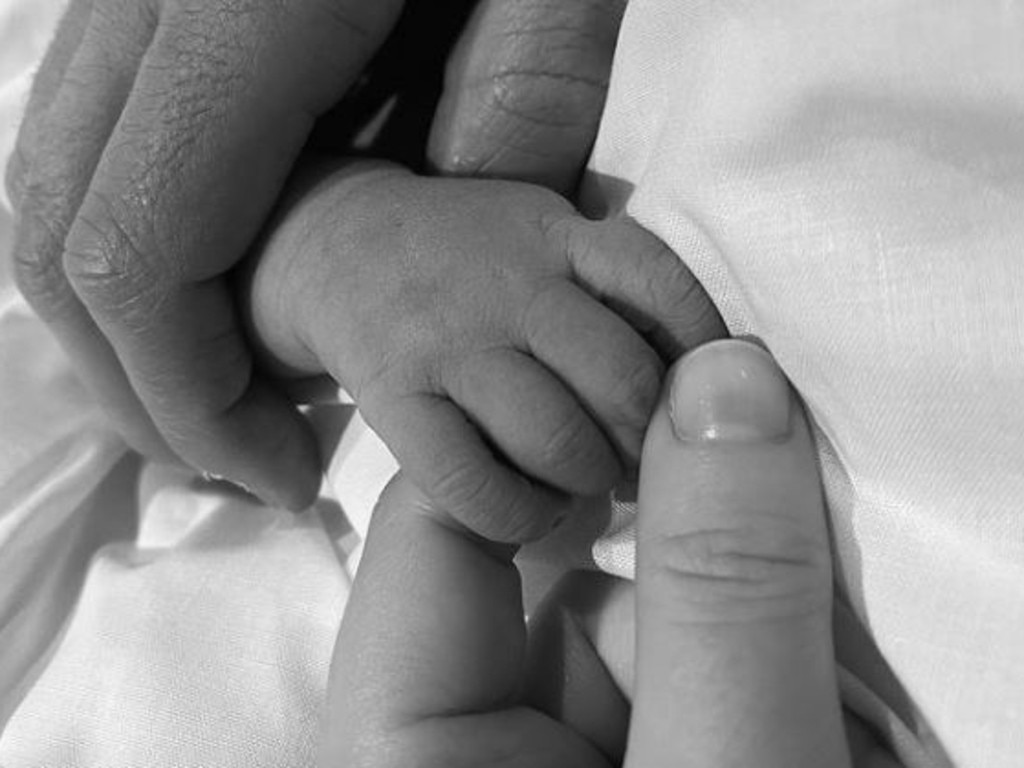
<point x="735" y="664"/>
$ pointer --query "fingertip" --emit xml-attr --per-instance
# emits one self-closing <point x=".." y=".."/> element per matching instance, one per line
<point x="261" y="443"/>
<point x="646" y="282"/>
<point x="295" y="496"/>
<point x="296" y="475"/>
<point x="729" y="391"/>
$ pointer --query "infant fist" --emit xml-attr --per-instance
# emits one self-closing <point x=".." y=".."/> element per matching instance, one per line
<point x="505" y="348"/>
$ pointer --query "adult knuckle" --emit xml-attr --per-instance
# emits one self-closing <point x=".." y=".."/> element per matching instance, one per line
<point x="39" y="239"/>
<point x="104" y="260"/>
<point x="38" y="273"/>
<point x="753" y="571"/>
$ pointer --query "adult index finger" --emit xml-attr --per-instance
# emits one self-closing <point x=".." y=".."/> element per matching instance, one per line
<point x="735" y="663"/>
<point x="225" y="98"/>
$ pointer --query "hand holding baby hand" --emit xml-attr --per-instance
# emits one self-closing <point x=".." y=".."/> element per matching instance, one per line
<point x="505" y="348"/>
<point x="156" y="140"/>
<point x="728" y="630"/>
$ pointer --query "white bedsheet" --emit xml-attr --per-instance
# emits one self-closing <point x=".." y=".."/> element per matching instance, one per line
<point x="845" y="177"/>
<point x="145" y="619"/>
<point x="847" y="180"/>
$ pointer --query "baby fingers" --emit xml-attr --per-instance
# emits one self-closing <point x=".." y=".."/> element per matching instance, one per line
<point x="614" y="373"/>
<point x="644" y="281"/>
<point x="535" y="421"/>
<point x="445" y="455"/>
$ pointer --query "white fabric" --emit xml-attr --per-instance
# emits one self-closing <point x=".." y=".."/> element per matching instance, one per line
<point x="843" y="176"/>
<point x="145" y="620"/>
<point x="847" y="180"/>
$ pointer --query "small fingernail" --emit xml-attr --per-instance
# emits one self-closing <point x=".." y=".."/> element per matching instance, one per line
<point x="729" y="391"/>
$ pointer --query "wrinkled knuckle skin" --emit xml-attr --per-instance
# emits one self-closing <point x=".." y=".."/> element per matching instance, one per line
<point x="39" y="278"/>
<point x="38" y="269"/>
<point x="103" y="261"/>
<point x="751" y="573"/>
<point x="525" y="97"/>
<point x="474" y="497"/>
<point x="466" y="491"/>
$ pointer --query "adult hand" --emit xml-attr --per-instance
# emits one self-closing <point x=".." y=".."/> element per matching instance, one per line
<point x="525" y="89"/>
<point x="733" y="664"/>
<point x="158" y="135"/>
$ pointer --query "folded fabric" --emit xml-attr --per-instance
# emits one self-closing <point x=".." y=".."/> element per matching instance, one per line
<point x="147" y="618"/>
<point x="846" y="179"/>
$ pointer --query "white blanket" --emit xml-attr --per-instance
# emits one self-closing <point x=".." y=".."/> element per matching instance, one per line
<point x="847" y="180"/>
<point x="845" y="177"/>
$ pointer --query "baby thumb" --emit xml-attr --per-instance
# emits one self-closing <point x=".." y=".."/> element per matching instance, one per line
<point x="734" y="649"/>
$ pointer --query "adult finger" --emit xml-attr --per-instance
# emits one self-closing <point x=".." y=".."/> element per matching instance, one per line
<point x="445" y="455"/>
<point x="45" y="84"/>
<point x="95" y="84"/>
<point x="735" y="663"/>
<point x="428" y="664"/>
<point x="606" y="364"/>
<point x="223" y="102"/>
<point x="635" y="273"/>
<point x="525" y="89"/>
<point x="536" y="422"/>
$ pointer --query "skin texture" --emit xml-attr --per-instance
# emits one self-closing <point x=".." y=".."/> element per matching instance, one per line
<point x="158" y="136"/>
<point x="728" y="661"/>
<point x="526" y="86"/>
<point x="160" y="133"/>
<point x="471" y="322"/>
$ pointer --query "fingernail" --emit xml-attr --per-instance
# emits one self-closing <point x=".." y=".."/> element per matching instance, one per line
<point x="729" y="391"/>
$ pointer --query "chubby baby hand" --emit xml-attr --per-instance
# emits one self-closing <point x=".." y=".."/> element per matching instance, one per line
<point x="507" y="350"/>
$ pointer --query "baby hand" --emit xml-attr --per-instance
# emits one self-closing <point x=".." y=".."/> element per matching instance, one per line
<point x="508" y="351"/>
